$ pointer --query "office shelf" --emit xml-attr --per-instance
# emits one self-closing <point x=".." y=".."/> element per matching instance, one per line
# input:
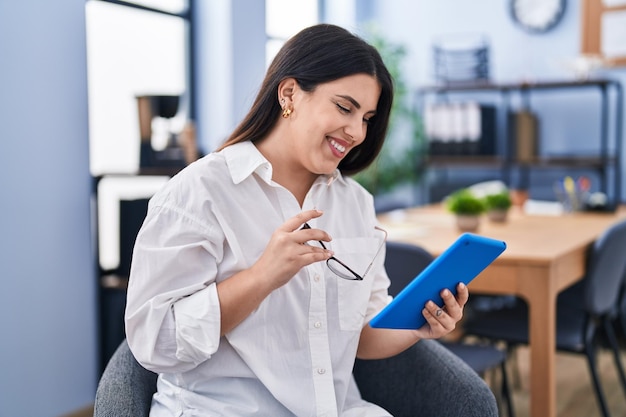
<point x="605" y="159"/>
<point x="481" y="160"/>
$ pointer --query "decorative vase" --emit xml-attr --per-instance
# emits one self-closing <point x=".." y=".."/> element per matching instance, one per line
<point x="497" y="215"/>
<point x="467" y="222"/>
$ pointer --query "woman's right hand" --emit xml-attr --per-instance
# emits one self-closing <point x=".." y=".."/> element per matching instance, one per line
<point x="287" y="251"/>
<point x="285" y="254"/>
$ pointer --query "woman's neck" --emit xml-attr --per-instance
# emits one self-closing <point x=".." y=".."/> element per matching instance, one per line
<point x="298" y="185"/>
<point x="286" y="171"/>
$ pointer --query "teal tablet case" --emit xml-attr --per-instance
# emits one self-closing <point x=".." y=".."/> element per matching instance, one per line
<point x="467" y="257"/>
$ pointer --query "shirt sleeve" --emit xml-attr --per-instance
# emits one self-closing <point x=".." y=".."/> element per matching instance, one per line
<point x="173" y="312"/>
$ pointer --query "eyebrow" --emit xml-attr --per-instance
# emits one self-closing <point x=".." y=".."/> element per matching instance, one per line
<point x="351" y="100"/>
<point x="354" y="102"/>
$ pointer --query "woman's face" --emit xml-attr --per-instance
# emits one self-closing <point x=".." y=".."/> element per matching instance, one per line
<point x="329" y="122"/>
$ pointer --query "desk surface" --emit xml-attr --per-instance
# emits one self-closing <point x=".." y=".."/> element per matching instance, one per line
<point x="544" y="255"/>
<point x="530" y="238"/>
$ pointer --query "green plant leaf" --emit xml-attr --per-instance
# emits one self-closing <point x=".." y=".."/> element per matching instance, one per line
<point x="402" y="157"/>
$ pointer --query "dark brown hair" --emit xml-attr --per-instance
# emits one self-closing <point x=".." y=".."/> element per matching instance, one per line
<point x="319" y="54"/>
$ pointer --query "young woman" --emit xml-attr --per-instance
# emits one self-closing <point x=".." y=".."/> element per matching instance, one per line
<point x="259" y="266"/>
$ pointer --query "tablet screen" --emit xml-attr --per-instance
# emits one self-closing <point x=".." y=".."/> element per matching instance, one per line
<point x="467" y="257"/>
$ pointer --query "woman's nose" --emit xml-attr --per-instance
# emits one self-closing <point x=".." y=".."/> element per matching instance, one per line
<point x="356" y="131"/>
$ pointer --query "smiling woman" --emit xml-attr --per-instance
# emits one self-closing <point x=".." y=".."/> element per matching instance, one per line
<point x="225" y="292"/>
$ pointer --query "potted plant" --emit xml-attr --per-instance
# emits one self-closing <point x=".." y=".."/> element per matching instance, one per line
<point x="497" y="206"/>
<point x="467" y="208"/>
<point x="402" y="157"/>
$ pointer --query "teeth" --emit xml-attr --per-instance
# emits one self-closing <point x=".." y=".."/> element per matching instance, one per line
<point x="337" y="146"/>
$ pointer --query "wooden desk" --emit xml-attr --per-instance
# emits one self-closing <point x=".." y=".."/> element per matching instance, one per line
<point x="544" y="255"/>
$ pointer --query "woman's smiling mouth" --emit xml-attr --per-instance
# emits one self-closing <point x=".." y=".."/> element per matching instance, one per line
<point x="337" y="148"/>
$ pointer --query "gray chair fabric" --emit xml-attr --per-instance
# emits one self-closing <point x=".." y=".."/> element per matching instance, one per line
<point x="425" y="380"/>
<point x="125" y="388"/>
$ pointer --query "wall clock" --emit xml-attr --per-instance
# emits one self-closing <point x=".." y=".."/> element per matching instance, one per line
<point x="537" y="16"/>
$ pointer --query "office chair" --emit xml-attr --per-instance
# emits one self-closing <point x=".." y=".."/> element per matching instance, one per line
<point x="586" y="312"/>
<point x="620" y="319"/>
<point x="418" y="376"/>
<point x="125" y="388"/>
<point x="403" y="262"/>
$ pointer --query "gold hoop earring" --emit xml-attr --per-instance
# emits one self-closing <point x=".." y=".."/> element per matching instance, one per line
<point x="286" y="112"/>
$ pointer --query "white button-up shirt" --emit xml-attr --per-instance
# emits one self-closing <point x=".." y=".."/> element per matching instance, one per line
<point x="294" y="354"/>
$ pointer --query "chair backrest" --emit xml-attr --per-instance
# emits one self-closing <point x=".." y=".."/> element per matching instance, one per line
<point x="125" y="388"/>
<point x="606" y="270"/>
<point x="403" y="262"/>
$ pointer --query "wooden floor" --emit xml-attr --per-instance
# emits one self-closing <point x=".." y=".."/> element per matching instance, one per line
<point x="575" y="395"/>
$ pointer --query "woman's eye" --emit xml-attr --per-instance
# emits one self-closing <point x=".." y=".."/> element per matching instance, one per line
<point x="343" y="109"/>
<point x="367" y="121"/>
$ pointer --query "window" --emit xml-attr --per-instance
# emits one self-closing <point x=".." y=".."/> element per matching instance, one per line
<point x="285" y="18"/>
<point x="133" y="49"/>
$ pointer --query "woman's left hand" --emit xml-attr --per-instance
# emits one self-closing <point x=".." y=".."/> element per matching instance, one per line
<point x="441" y="320"/>
<point x="378" y="343"/>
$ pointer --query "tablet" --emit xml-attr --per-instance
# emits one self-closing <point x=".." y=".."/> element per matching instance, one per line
<point x="461" y="262"/>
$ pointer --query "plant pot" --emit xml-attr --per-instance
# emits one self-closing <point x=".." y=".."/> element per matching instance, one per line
<point x="467" y="223"/>
<point x="497" y="216"/>
<point x="519" y="197"/>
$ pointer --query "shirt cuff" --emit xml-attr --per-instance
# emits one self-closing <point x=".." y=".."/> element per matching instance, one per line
<point x="197" y="325"/>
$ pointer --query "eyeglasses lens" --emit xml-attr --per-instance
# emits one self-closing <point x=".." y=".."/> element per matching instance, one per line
<point x="341" y="270"/>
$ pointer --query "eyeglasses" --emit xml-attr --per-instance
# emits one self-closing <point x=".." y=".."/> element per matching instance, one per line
<point x="344" y="271"/>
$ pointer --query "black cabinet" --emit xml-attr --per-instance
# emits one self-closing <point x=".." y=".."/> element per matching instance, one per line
<point x="516" y="158"/>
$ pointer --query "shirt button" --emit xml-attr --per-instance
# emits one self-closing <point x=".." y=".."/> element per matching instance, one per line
<point x="316" y="278"/>
<point x="317" y="325"/>
<point x="321" y="371"/>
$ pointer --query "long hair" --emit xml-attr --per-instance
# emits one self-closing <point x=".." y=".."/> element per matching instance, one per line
<point x="316" y="55"/>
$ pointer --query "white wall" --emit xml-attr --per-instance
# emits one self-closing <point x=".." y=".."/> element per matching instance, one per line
<point x="231" y="64"/>
<point x="569" y="120"/>
<point x="48" y="312"/>
<point x="515" y="54"/>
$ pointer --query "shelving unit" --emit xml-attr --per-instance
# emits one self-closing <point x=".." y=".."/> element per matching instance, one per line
<point x="606" y="162"/>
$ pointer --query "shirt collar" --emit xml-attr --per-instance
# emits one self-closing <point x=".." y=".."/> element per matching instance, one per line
<point x="243" y="159"/>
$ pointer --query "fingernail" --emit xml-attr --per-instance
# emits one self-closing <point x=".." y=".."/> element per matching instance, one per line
<point x="445" y="293"/>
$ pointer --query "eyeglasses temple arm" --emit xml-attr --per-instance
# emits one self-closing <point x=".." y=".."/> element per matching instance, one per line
<point x="378" y="250"/>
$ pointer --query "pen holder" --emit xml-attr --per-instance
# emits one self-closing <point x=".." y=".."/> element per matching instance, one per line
<point x="571" y="200"/>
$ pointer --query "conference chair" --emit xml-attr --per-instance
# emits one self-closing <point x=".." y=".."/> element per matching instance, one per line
<point x="586" y="312"/>
<point x="425" y="380"/>
<point x="403" y="262"/>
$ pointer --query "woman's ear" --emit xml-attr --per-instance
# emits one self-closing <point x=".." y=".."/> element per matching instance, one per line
<point x="286" y="89"/>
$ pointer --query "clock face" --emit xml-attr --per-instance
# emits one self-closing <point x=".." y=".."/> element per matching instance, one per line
<point x="537" y="15"/>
